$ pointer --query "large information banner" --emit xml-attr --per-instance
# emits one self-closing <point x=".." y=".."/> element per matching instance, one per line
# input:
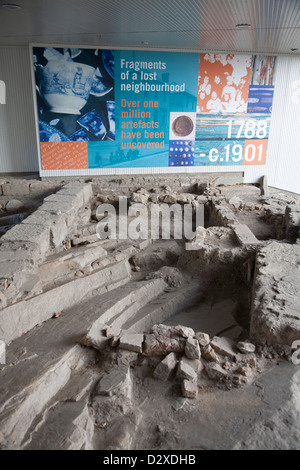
<point x="144" y="109"/>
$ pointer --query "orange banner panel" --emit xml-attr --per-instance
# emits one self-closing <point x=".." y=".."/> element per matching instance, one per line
<point x="255" y="151"/>
<point x="223" y="83"/>
<point x="64" y="155"/>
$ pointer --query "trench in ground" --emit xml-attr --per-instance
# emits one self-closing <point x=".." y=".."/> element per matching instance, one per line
<point x="226" y="285"/>
<point x="225" y="306"/>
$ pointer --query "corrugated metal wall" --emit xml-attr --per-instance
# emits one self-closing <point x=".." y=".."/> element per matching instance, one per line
<point x="18" y="148"/>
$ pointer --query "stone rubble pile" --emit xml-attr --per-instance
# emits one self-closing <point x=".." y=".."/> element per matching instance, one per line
<point x="190" y="358"/>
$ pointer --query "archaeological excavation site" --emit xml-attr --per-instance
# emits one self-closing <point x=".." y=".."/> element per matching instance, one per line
<point x="115" y="339"/>
<point x="149" y="228"/>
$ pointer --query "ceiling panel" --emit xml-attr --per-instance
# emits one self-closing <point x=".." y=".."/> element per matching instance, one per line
<point x="167" y="24"/>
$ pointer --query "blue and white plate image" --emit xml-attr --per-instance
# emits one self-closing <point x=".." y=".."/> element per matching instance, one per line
<point x="50" y="134"/>
<point x="108" y="62"/>
<point x="93" y="123"/>
<point x="79" y="136"/>
<point x="99" y="88"/>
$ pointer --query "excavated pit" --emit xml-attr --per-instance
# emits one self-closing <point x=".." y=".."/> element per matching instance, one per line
<point x="223" y="272"/>
<point x="125" y="338"/>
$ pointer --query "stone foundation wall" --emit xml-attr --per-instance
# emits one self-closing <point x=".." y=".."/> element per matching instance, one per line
<point x="178" y="182"/>
<point x="42" y="233"/>
<point x="275" y="313"/>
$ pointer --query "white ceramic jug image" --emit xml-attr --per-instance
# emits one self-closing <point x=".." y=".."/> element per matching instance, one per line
<point x="65" y="86"/>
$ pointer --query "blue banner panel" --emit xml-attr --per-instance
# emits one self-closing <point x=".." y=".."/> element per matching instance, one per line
<point x="231" y="139"/>
<point x="147" y="109"/>
<point x="232" y="126"/>
<point x="149" y="86"/>
<point x="218" y="152"/>
<point x="260" y="99"/>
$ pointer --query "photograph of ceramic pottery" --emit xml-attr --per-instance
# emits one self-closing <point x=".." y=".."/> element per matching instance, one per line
<point x="99" y="88"/>
<point x="111" y="115"/>
<point x="93" y="123"/>
<point x="79" y="136"/>
<point x="51" y="134"/>
<point x="65" y="86"/>
<point x="108" y="62"/>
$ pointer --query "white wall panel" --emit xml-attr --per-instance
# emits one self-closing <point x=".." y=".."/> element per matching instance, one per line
<point x="285" y="140"/>
<point x="283" y="155"/>
<point x="18" y="147"/>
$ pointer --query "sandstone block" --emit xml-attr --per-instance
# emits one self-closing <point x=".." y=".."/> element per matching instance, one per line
<point x="165" y="368"/>
<point x="17" y="189"/>
<point x="245" y="347"/>
<point x="33" y="233"/>
<point x="170" y="198"/>
<point x="13" y="205"/>
<point x="215" y="371"/>
<point x="61" y="199"/>
<point x="184" y="371"/>
<point x="203" y="338"/>
<point x="192" y="348"/>
<point x="153" y="346"/>
<point x="131" y="342"/>
<point x="84" y="191"/>
<point x="244" y="235"/>
<point x="240" y="190"/>
<point x="195" y="364"/>
<point x="236" y="202"/>
<point x="111" y="332"/>
<point x="140" y="198"/>
<point x="189" y="389"/>
<point x="57" y="224"/>
<point x="224" y="346"/>
<point x="209" y="354"/>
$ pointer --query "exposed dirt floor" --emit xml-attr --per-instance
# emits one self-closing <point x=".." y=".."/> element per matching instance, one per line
<point x="263" y="415"/>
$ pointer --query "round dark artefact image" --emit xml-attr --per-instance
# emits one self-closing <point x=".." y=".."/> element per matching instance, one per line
<point x="182" y="126"/>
